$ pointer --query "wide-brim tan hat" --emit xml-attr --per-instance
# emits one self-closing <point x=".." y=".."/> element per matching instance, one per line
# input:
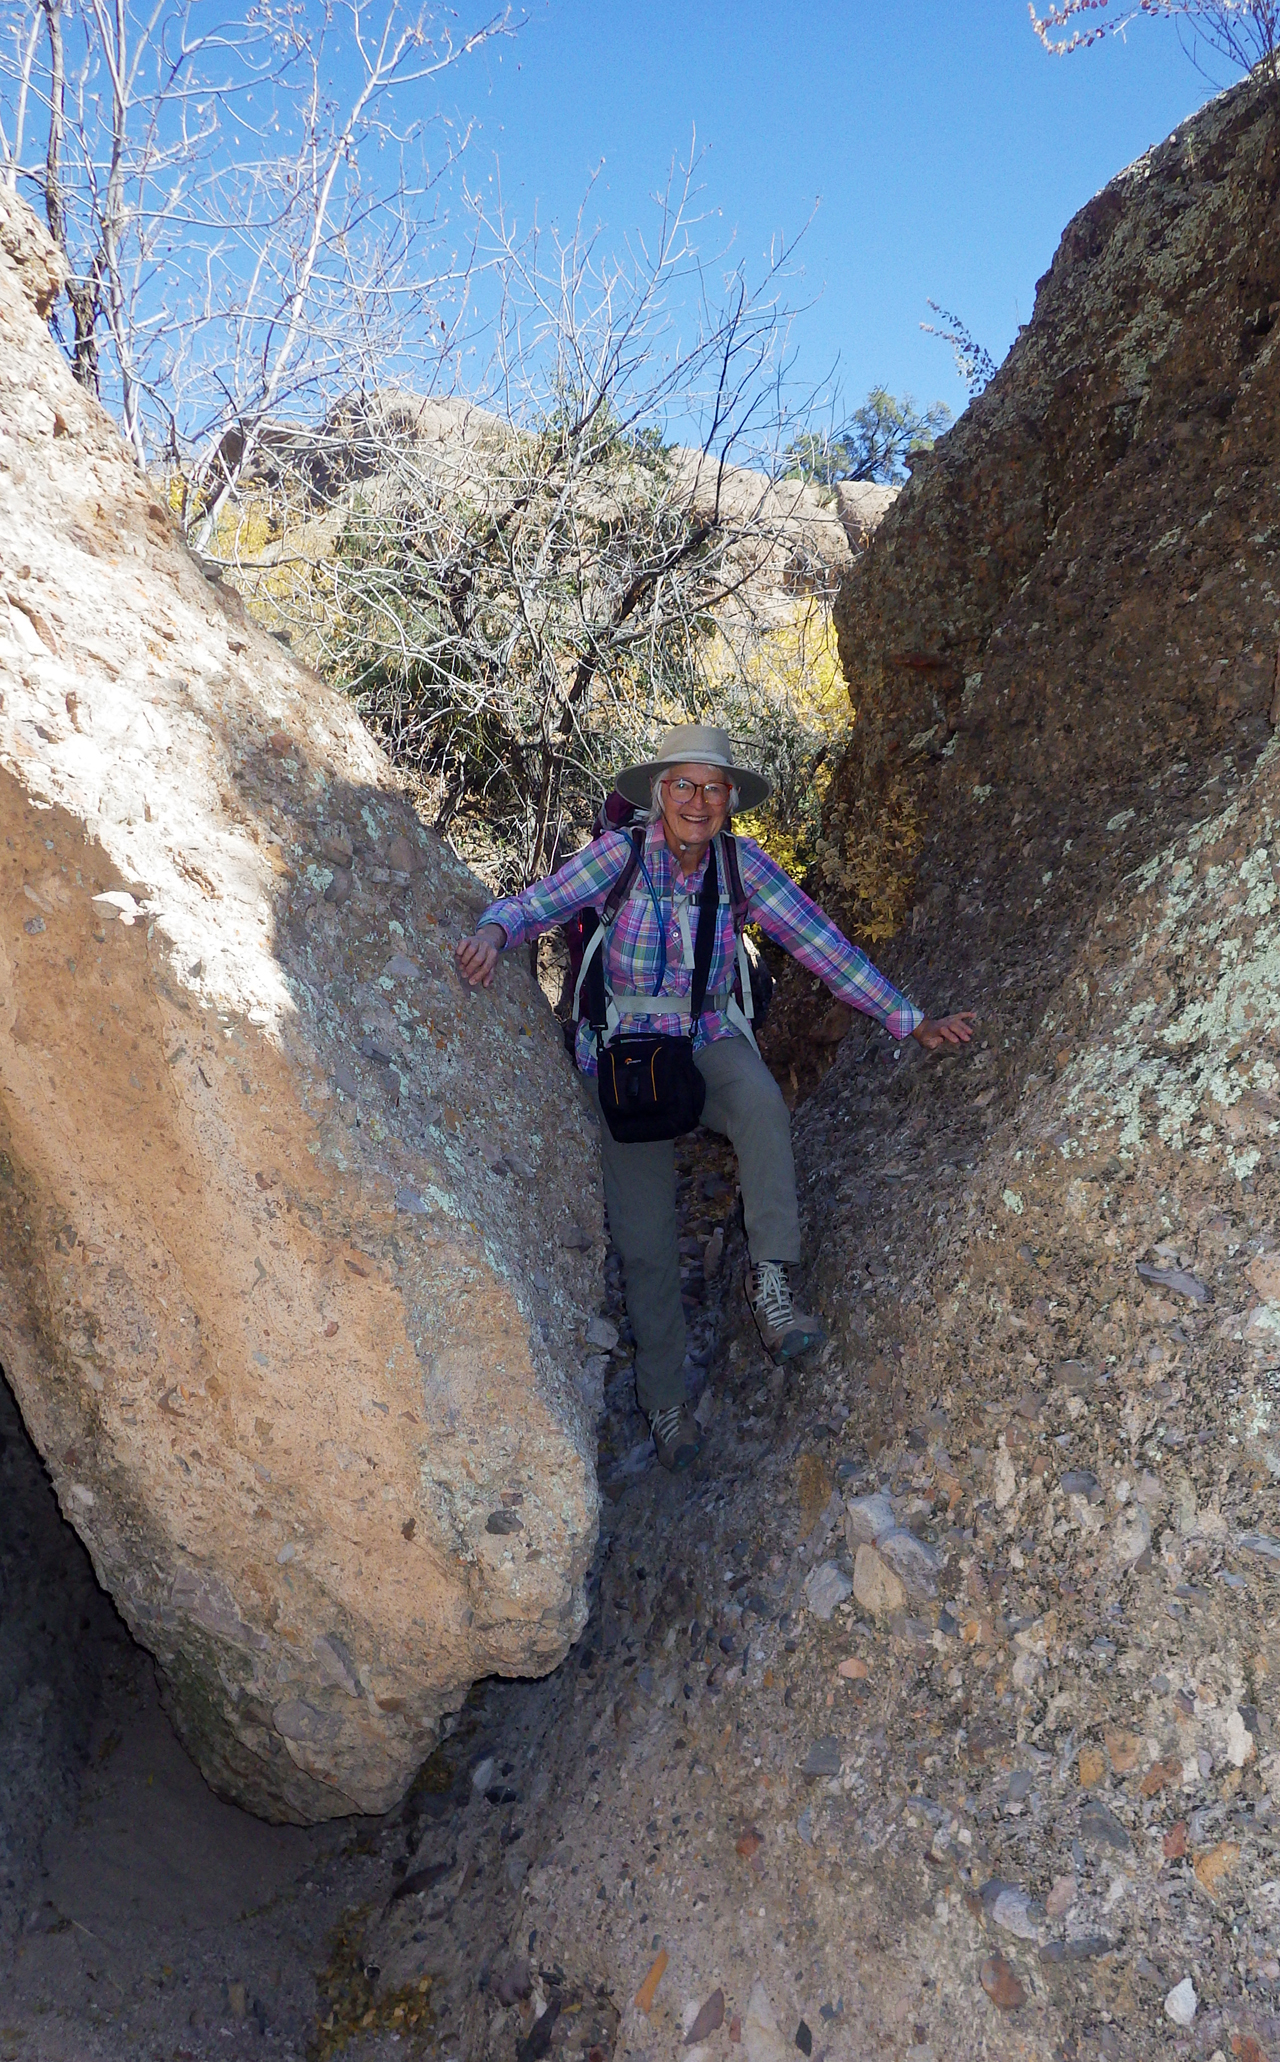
<point x="693" y="744"/>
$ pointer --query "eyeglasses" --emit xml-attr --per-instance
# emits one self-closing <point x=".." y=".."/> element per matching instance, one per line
<point x="713" y="792"/>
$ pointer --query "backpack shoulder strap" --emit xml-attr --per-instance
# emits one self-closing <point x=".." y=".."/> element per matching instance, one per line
<point x="741" y="1007"/>
<point x="737" y="893"/>
<point x="591" y="972"/>
<point x="621" y="888"/>
<point x="705" y="942"/>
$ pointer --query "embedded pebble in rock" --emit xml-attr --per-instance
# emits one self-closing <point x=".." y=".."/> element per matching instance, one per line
<point x="1215" y="1865"/>
<point x="1091" y="1764"/>
<point x="1001" y="1984"/>
<point x="1080" y="1482"/>
<point x="826" y="1586"/>
<point x="761" y="2037"/>
<point x="1006" y="1479"/>
<point x="914" y="1560"/>
<point x="875" y="1585"/>
<point x="602" y="1333"/>
<point x="868" y="1518"/>
<point x="1101" y="1826"/>
<point x="823" y="1759"/>
<point x="647" y="1994"/>
<point x="1012" y="1911"/>
<point x="1130" y="1535"/>
<point x="707" y="2019"/>
<point x="1181" y="2002"/>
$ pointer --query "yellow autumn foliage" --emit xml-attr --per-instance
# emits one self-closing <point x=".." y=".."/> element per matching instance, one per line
<point x="785" y="701"/>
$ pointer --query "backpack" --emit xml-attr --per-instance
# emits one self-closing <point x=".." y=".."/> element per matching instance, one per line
<point x="752" y="988"/>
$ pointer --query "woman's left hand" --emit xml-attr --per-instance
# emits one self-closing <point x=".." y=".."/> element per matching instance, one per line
<point x="936" y="1032"/>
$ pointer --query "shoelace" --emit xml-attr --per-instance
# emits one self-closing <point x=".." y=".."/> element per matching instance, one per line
<point x="664" y="1424"/>
<point x="773" y="1293"/>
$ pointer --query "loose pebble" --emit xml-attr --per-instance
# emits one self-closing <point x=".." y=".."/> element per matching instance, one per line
<point x="826" y="1586"/>
<point x="879" y="1591"/>
<point x="868" y="1518"/>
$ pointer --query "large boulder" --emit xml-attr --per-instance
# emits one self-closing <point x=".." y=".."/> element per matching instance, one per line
<point x="296" y="1236"/>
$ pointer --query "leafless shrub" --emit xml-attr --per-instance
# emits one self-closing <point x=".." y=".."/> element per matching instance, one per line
<point x="521" y="590"/>
<point x="243" y="196"/>
<point x="974" y="362"/>
<point x="1244" y="32"/>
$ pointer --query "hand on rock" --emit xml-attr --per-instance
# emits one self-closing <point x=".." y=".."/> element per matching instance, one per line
<point x="478" y="956"/>
<point x="936" y="1032"/>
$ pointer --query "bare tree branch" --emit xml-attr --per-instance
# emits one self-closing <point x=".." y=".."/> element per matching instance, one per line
<point x="243" y="195"/>
<point x="522" y="586"/>
<point x="1245" y="32"/>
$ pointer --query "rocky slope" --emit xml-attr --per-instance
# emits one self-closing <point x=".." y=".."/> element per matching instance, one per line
<point x="293" y="1265"/>
<point x="936" y="1716"/>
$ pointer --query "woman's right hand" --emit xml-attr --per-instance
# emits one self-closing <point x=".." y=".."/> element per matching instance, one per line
<point x="478" y="956"/>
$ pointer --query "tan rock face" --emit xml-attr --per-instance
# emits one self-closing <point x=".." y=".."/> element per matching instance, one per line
<point x="297" y="1238"/>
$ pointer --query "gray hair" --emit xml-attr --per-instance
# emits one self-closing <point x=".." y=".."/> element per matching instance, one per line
<point x="655" y="795"/>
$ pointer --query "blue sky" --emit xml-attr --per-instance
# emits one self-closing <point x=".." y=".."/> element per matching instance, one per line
<point x="945" y="149"/>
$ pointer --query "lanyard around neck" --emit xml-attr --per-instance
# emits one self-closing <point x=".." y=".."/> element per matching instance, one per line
<point x="662" y="928"/>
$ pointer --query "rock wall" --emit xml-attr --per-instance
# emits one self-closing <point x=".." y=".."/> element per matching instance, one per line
<point x="1053" y="1265"/>
<point x="297" y="1238"/>
<point x="1063" y="647"/>
<point x="1067" y="622"/>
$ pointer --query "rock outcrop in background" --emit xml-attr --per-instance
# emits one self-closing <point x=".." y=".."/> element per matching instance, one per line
<point x="296" y="1237"/>
<point x="382" y="450"/>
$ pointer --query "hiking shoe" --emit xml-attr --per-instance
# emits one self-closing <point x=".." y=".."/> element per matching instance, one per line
<point x="676" y="1436"/>
<point x="784" y="1331"/>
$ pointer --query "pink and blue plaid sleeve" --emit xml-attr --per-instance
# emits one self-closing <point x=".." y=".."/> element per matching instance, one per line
<point x="583" y="880"/>
<point x="788" y="915"/>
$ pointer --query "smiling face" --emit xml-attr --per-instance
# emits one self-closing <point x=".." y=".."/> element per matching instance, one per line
<point x="692" y="820"/>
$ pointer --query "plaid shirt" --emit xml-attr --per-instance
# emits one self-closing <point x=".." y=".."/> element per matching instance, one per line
<point x="634" y="946"/>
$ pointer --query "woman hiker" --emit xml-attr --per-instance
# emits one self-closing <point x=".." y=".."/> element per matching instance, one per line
<point x="686" y="1035"/>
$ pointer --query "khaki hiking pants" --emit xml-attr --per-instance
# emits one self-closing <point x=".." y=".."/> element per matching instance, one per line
<point x="745" y="1103"/>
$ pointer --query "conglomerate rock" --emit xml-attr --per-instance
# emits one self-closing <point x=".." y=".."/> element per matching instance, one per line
<point x="296" y="1237"/>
